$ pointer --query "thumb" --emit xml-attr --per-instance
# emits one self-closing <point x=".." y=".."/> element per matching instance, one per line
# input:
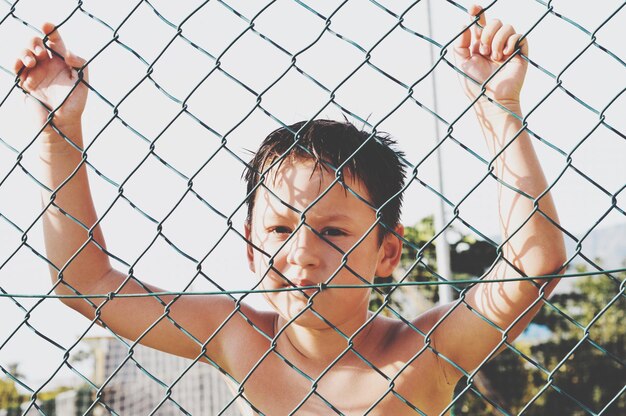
<point x="78" y="63"/>
<point x="462" y="45"/>
<point x="55" y="42"/>
<point x="74" y="60"/>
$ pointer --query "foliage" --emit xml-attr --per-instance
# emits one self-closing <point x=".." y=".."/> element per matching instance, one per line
<point x="468" y="258"/>
<point x="588" y="372"/>
<point x="11" y="399"/>
<point x="9" y="396"/>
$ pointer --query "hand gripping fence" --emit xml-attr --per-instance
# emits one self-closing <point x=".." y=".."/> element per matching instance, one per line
<point x="99" y="396"/>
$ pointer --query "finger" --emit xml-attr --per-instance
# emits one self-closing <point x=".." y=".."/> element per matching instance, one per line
<point x="523" y="44"/>
<point x="488" y="33"/>
<point x="85" y="75"/>
<point x="38" y="48"/>
<point x="499" y="42"/>
<point x="74" y="61"/>
<point x="28" y="59"/>
<point x="55" y="42"/>
<point x="512" y="44"/>
<point x="18" y="65"/>
<point x="476" y="10"/>
<point x="462" y="44"/>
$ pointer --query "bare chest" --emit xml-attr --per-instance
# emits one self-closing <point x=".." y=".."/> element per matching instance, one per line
<point x="276" y="386"/>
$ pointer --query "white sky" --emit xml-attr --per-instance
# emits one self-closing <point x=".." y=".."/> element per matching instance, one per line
<point x="595" y="78"/>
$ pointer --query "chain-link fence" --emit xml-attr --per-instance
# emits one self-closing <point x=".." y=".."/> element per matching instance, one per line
<point x="178" y="96"/>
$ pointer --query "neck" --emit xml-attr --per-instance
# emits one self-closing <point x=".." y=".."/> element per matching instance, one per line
<point x="322" y="344"/>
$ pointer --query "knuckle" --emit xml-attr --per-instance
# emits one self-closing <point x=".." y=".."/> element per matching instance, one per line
<point x="27" y="59"/>
<point x="490" y="30"/>
<point x="28" y="84"/>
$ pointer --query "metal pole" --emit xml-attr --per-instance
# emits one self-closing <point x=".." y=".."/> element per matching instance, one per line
<point x="442" y="248"/>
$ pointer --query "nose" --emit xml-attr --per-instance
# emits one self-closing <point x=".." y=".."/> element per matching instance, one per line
<point x="304" y="250"/>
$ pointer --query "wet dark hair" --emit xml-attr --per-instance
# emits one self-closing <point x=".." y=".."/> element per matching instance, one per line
<point x="377" y="165"/>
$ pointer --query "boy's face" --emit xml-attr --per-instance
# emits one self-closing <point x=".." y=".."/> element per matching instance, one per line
<point x="306" y="259"/>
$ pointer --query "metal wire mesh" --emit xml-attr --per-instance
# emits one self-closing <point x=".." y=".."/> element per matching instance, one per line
<point x="224" y="138"/>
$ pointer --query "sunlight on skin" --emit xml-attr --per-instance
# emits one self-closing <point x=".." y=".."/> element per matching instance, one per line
<point x="306" y="259"/>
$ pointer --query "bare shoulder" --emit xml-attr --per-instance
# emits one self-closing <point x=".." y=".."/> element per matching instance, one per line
<point x="415" y="332"/>
<point x="418" y="342"/>
<point x="402" y="337"/>
<point x="246" y="335"/>
<point x="410" y="349"/>
<point x="245" y="322"/>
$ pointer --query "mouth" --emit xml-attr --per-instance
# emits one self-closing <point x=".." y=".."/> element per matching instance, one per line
<point x="305" y="283"/>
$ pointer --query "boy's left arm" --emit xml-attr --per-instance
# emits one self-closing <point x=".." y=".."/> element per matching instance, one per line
<point x="532" y="243"/>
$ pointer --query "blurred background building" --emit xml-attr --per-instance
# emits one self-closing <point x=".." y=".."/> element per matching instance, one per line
<point x="197" y="390"/>
<point x="138" y="383"/>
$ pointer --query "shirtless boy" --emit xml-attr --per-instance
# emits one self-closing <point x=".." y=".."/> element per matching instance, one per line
<point x="412" y="375"/>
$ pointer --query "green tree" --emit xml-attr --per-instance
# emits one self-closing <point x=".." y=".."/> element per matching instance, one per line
<point x="596" y="370"/>
<point x="469" y="257"/>
<point x="9" y="396"/>
<point x="589" y="378"/>
<point x="11" y="399"/>
<point x="593" y="371"/>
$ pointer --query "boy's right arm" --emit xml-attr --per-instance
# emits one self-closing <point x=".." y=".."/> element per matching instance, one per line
<point x="88" y="269"/>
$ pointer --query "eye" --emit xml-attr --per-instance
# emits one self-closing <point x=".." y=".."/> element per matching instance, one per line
<point x="280" y="230"/>
<point x="332" y="232"/>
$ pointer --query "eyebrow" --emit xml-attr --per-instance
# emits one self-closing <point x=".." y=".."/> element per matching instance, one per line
<point x="332" y="217"/>
<point x="328" y="218"/>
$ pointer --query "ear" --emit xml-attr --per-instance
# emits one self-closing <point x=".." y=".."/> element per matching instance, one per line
<point x="390" y="252"/>
<point x="249" y="249"/>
